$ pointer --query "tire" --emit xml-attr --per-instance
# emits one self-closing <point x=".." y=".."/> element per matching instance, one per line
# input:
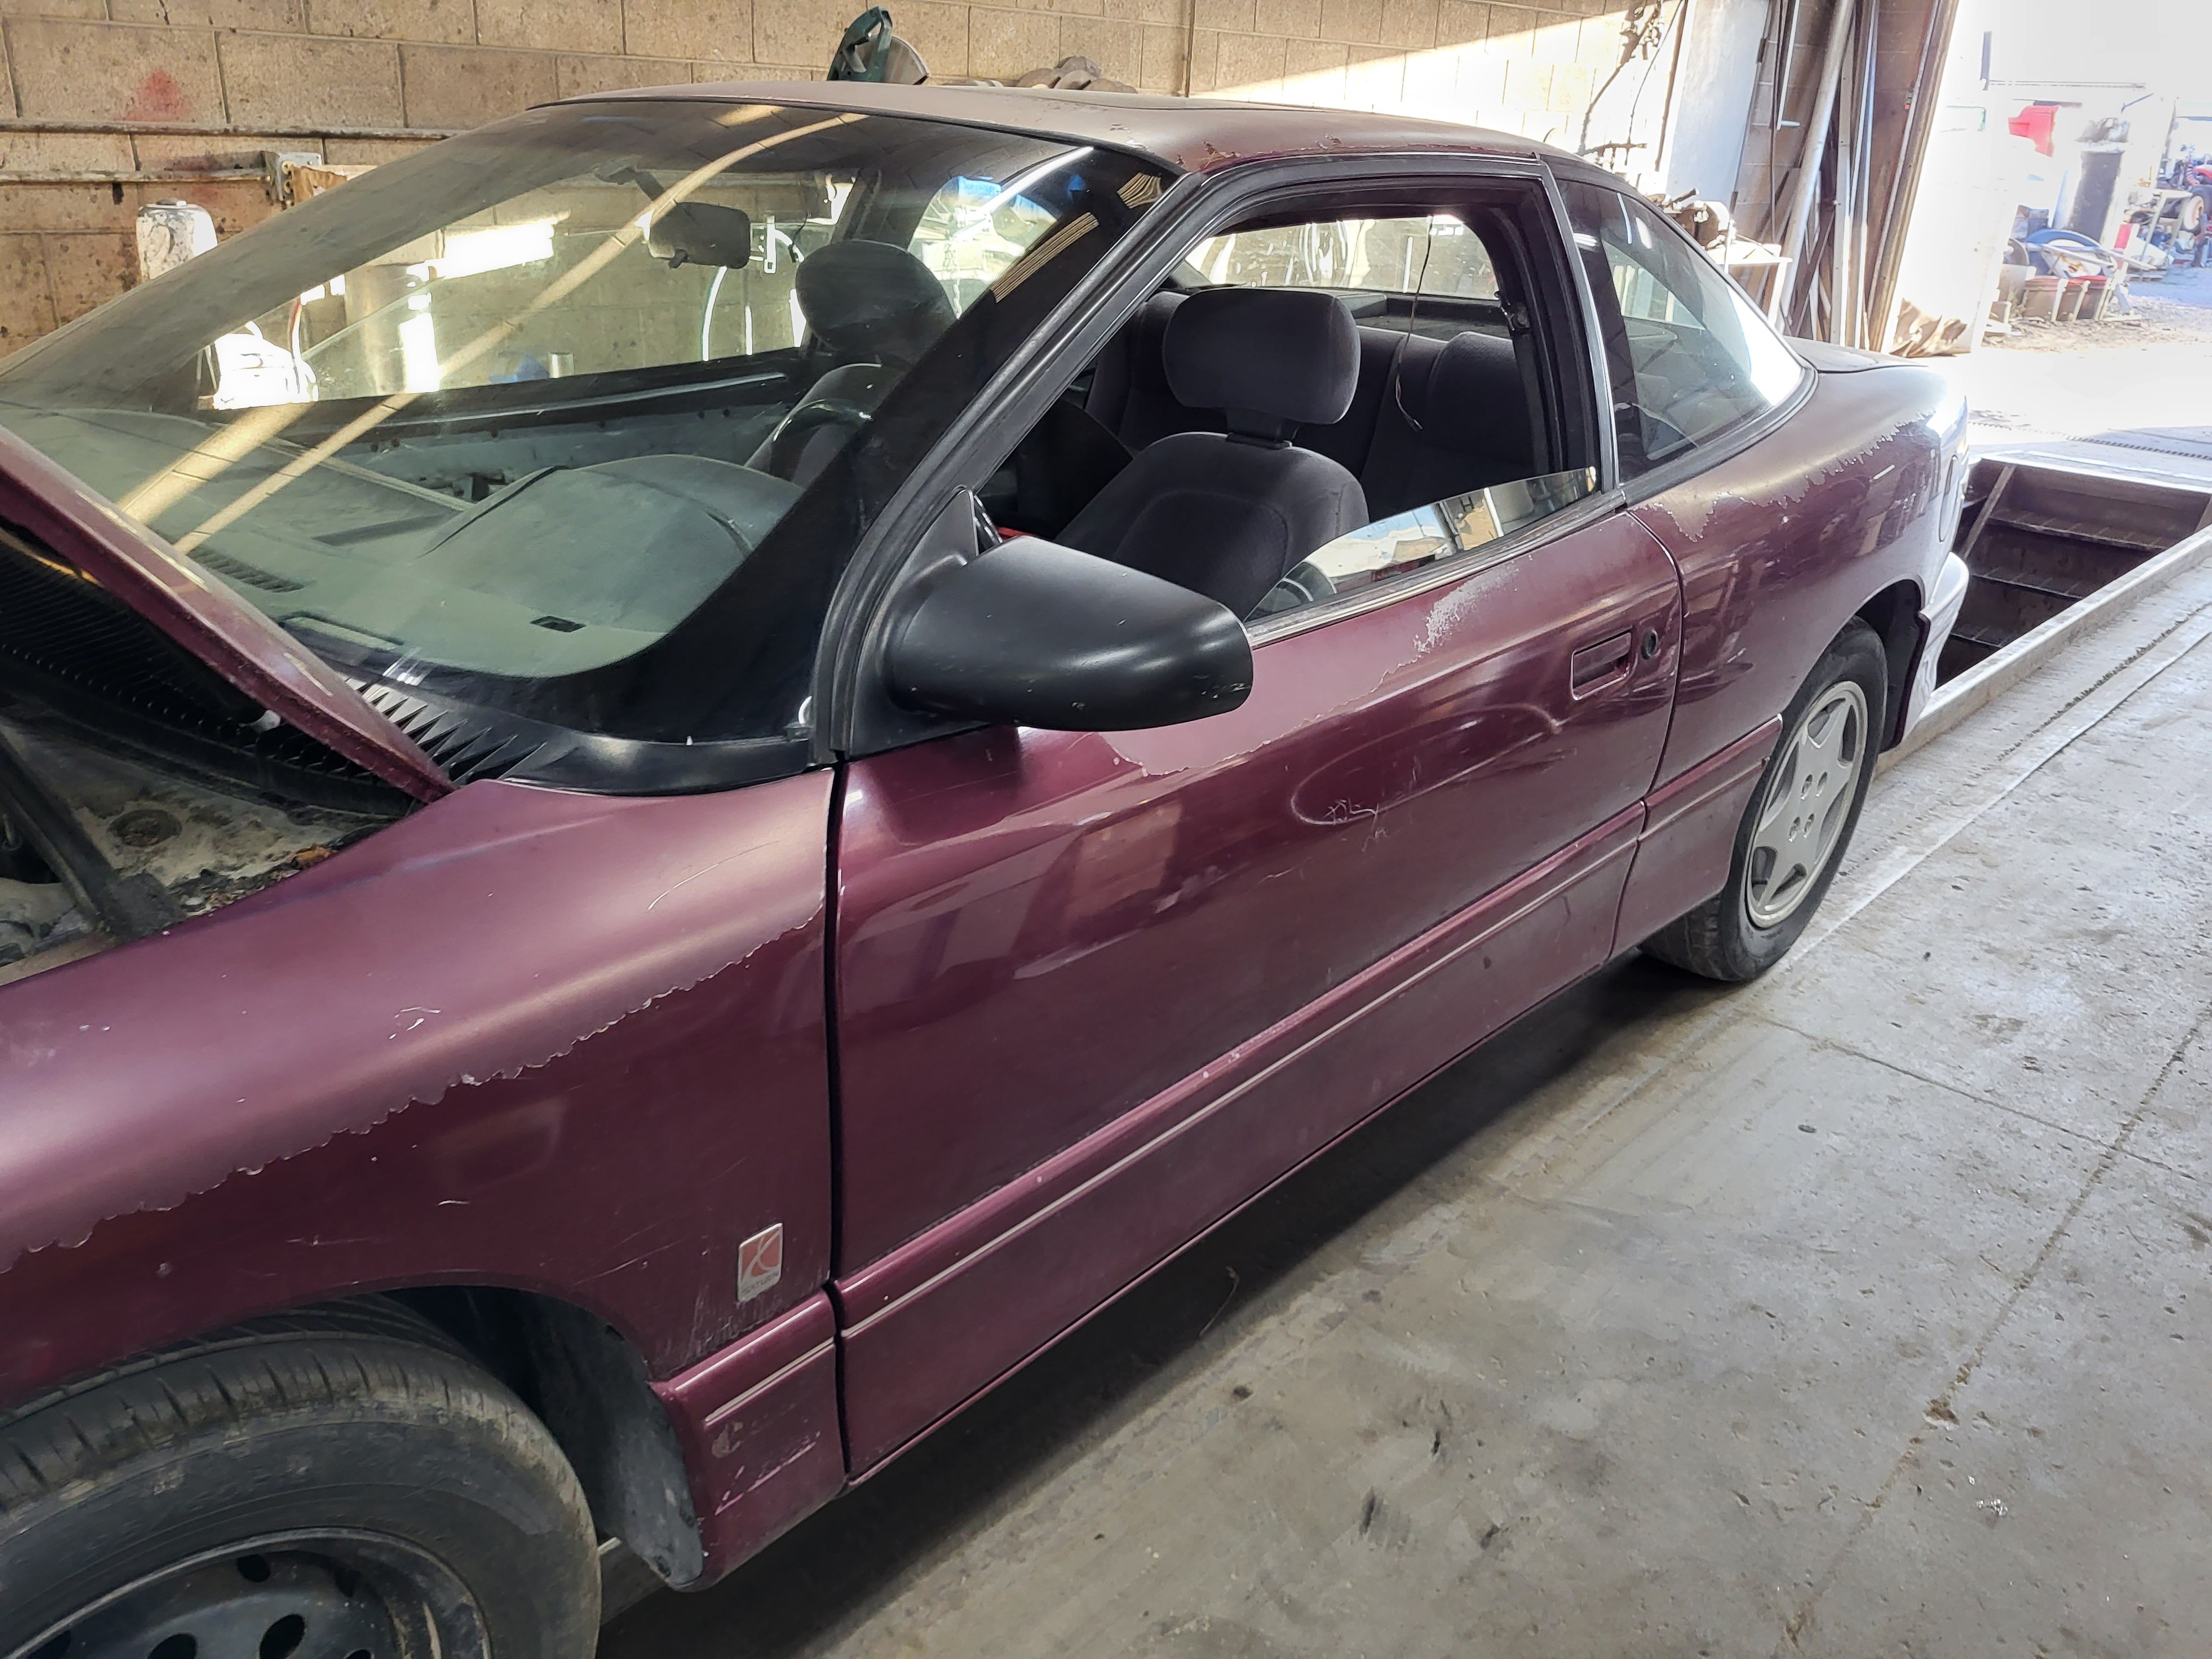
<point x="335" y="1483"/>
<point x="1750" y="925"/>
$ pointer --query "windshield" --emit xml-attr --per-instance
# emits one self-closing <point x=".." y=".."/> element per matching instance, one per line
<point x="568" y="426"/>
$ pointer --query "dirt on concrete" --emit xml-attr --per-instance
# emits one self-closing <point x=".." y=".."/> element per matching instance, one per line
<point x="2176" y="310"/>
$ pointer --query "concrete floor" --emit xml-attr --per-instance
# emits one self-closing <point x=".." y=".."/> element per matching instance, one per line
<point x="2078" y="380"/>
<point x="1863" y="1311"/>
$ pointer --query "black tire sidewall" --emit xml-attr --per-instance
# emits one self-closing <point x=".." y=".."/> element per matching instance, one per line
<point x="1748" y="949"/>
<point x="465" y="1476"/>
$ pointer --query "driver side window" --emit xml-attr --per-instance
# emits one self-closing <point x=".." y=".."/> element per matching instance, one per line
<point x="1690" y="356"/>
<point x="1328" y="401"/>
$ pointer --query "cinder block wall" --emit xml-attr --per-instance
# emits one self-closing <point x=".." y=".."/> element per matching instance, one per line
<point x="96" y="95"/>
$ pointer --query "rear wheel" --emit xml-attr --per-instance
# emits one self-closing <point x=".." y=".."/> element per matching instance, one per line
<point x="1800" y="820"/>
<point x="337" y="1485"/>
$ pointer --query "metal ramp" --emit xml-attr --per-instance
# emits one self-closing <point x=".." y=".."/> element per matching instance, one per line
<point x="2045" y="532"/>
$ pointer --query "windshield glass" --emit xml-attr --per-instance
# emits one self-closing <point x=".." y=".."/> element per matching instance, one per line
<point x="570" y="424"/>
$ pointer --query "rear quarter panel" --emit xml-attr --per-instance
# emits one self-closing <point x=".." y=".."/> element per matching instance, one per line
<point x="1781" y="542"/>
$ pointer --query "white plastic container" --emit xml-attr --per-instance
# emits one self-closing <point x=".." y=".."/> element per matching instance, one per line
<point x="170" y="233"/>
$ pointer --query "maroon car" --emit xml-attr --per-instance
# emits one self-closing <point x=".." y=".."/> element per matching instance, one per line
<point x="676" y="778"/>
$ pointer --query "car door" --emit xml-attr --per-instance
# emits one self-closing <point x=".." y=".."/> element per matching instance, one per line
<point x="1095" y="990"/>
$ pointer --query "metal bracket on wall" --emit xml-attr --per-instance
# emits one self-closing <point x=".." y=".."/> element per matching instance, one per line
<point x="275" y="169"/>
<point x="290" y="176"/>
<point x="138" y="176"/>
<point x="203" y="130"/>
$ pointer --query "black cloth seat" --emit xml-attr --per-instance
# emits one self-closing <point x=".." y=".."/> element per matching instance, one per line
<point x="1129" y="392"/>
<point x="1456" y="420"/>
<point x="879" y="309"/>
<point x="1225" y="514"/>
<point x="1430" y="419"/>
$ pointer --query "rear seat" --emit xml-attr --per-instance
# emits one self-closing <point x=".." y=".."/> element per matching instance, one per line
<point x="1459" y="420"/>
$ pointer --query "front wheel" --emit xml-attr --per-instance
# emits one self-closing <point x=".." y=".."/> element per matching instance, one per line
<point x="337" y="1484"/>
<point x="1799" y="822"/>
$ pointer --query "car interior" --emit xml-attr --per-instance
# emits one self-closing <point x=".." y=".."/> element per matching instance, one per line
<point x="1231" y="430"/>
<point x="1424" y="417"/>
<point x="1319" y="380"/>
<point x="875" y="309"/>
<point x="1315" y="378"/>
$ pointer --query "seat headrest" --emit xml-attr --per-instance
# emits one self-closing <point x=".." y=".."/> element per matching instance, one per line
<point x="872" y="300"/>
<point x="1270" y="358"/>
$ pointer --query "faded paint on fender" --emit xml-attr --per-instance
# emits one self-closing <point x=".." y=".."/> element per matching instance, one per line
<point x="561" y="1042"/>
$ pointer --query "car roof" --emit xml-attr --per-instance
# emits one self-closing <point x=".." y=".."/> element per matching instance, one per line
<point x="1192" y="135"/>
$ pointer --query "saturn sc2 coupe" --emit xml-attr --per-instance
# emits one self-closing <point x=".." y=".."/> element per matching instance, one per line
<point x="677" y="778"/>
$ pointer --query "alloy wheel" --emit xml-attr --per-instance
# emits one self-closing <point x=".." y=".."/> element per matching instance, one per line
<point x="1801" y="819"/>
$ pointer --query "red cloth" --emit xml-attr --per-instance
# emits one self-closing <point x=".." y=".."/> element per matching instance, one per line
<point x="2035" y="121"/>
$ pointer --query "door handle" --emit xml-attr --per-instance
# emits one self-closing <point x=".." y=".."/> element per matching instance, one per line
<point x="1595" y="667"/>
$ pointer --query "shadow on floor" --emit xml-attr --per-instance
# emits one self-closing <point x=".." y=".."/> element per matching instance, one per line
<point x="830" y="1569"/>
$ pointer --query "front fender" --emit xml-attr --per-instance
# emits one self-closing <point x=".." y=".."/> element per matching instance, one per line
<point x="569" y="1043"/>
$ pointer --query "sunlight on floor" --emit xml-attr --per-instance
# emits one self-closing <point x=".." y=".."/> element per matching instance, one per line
<point x="2076" y="380"/>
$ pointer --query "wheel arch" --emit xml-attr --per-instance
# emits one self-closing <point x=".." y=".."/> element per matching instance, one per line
<point x="1895" y="615"/>
<point x="580" y="1376"/>
<point x="588" y="1383"/>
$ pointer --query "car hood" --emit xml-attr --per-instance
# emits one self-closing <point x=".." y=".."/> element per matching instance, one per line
<point x="234" y="638"/>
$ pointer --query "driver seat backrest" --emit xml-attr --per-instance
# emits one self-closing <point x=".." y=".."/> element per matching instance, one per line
<point x="1432" y="418"/>
<point x="877" y="308"/>
<point x="1225" y="514"/>
<point x="1446" y="426"/>
<point x="1129" y="394"/>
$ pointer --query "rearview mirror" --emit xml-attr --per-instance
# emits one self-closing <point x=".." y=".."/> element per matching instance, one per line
<point x="701" y="233"/>
<point x="1034" y="633"/>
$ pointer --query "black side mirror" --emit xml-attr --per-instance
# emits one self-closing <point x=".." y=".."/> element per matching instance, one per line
<point x="701" y="233"/>
<point x="1034" y="633"/>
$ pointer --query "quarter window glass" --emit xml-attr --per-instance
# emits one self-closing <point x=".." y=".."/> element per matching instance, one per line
<point x="1475" y="528"/>
<point x="1690" y="356"/>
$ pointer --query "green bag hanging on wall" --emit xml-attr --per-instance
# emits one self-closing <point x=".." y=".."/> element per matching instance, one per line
<point x="870" y="51"/>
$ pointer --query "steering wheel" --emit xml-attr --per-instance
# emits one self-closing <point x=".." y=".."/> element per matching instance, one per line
<point x="1304" y="583"/>
<point x="788" y="441"/>
<point x="1662" y="438"/>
